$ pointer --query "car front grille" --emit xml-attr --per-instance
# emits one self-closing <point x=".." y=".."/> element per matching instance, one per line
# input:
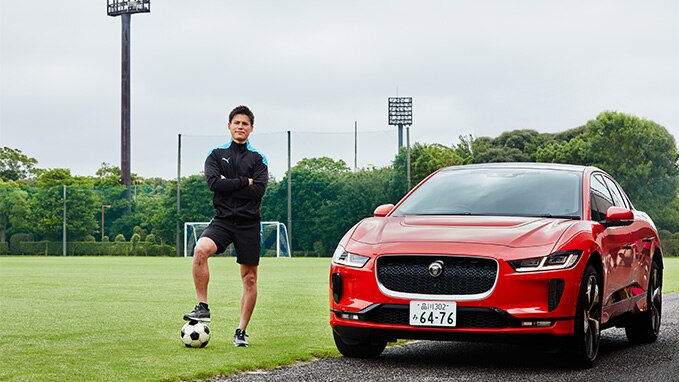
<point x="467" y="317"/>
<point x="460" y="276"/>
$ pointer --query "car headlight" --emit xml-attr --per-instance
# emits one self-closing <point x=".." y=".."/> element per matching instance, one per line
<point x="342" y="257"/>
<point x="557" y="260"/>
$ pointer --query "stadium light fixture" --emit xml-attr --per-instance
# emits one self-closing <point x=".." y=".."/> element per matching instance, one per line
<point x="126" y="8"/>
<point x="120" y="7"/>
<point x="400" y="114"/>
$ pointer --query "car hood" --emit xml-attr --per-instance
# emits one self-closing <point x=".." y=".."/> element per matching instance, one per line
<point x="496" y="230"/>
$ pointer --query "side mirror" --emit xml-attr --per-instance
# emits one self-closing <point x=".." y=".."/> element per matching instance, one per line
<point x="618" y="216"/>
<point x="383" y="210"/>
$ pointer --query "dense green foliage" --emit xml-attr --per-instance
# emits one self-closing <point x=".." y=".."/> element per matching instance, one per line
<point x="15" y="165"/>
<point x="327" y="197"/>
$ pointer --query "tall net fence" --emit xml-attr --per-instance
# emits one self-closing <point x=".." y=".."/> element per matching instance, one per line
<point x="365" y="149"/>
<point x="336" y="179"/>
<point x="85" y="220"/>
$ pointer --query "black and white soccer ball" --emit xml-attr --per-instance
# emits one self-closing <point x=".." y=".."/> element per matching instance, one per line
<point x="195" y="334"/>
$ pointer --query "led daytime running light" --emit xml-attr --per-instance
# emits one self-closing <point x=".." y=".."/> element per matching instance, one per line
<point x="557" y="260"/>
<point x="342" y="257"/>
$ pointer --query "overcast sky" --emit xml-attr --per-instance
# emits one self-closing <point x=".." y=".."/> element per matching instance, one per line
<point x="472" y="67"/>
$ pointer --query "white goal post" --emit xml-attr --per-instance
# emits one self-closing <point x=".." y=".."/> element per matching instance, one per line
<point x="193" y="230"/>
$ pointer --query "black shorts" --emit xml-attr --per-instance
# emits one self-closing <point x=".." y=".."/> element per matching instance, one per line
<point x="246" y="238"/>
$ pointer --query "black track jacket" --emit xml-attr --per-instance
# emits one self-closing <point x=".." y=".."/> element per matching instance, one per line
<point x="233" y="197"/>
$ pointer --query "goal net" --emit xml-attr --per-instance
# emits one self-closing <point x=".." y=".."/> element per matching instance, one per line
<point x="273" y="238"/>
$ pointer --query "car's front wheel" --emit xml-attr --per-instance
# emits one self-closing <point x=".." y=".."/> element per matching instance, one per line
<point x="585" y="343"/>
<point x="357" y="349"/>
<point x="644" y="327"/>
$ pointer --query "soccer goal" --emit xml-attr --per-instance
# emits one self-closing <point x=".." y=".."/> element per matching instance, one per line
<point x="273" y="237"/>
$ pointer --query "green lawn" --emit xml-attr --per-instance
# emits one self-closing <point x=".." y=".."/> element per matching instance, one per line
<point x="118" y="318"/>
<point x="671" y="275"/>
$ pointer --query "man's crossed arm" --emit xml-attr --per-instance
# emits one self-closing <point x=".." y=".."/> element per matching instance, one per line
<point x="241" y="187"/>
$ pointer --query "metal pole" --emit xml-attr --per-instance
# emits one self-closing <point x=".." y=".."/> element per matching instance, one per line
<point x="400" y="137"/>
<point x="125" y="107"/>
<point x="289" y="195"/>
<point x="408" y="149"/>
<point x="278" y="240"/>
<point x="179" y="205"/>
<point x="355" y="146"/>
<point x="102" y="222"/>
<point x="63" y="229"/>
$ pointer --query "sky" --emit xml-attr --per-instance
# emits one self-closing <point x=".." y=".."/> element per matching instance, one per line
<point x="315" y="67"/>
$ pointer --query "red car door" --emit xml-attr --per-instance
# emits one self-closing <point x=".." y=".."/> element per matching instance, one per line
<point x="614" y="241"/>
<point x="634" y="243"/>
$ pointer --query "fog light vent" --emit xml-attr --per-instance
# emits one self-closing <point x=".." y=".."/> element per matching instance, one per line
<point x="555" y="291"/>
<point x="336" y="281"/>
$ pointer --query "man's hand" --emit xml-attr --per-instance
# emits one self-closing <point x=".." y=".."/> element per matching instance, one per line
<point x="250" y="181"/>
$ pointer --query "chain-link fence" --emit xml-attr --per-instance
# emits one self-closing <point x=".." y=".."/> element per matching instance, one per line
<point x="335" y="179"/>
<point x="83" y="220"/>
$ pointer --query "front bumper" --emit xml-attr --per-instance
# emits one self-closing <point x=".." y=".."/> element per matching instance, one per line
<point x="516" y="301"/>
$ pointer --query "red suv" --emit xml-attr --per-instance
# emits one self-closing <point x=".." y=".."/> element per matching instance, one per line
<point x="495" y="251"/>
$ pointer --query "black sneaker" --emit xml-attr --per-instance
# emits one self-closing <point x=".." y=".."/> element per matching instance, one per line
<point x="239" y="338"/>
<point x="199" y="314"/>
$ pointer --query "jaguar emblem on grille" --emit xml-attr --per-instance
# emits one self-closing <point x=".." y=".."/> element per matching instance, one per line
<point x="436" y="268"/>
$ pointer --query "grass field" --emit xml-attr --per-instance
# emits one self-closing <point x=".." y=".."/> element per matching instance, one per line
<point x="115" y="318"/>
<point x="671" y="275"/>
<point x="118" y="318"/>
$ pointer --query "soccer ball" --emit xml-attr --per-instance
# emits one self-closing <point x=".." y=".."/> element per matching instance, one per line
<point x="195" y="334"/>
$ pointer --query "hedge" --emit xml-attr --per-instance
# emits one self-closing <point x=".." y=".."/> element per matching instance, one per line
<point x="4" y="248"/>
<point x="670" y="247"/>
<point x="85" y="248"/>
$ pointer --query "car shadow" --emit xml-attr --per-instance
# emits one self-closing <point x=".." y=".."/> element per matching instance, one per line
<point x="507" y="357"/>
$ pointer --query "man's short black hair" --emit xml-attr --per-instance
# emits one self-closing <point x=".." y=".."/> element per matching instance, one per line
<point x="242" y="110"/>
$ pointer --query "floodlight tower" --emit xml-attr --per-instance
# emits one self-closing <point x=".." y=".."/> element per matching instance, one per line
<point x="126" y="8"/>
<point x="400" y="114"/>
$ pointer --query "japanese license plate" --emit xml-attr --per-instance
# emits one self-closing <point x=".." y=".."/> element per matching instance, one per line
<point x="433" y="313"/>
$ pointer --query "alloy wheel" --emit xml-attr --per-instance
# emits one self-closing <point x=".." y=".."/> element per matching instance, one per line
<point x="656" y="300"/>
<point x="592" y="317"/>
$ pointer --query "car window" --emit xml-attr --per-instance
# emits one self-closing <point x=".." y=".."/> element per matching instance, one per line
<point x="621" y="192"/>
<point x="600" y="198"/>
<point x="617" y="197"/>
<point x="498" y="192"/>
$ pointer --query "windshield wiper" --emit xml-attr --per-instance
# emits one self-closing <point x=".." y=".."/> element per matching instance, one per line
<point x="446" y="214"/>
<point x="573" y="217"/>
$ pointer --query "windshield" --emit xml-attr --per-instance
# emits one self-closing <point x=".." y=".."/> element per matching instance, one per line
<point x="497" y="192"/>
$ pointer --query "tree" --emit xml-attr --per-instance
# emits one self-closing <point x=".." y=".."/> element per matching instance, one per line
<point x="526" y="141"/>
<point x="502" y="154"/>
<point x="13" y="208"/>
<point x="108" y="175"/>
<point x="15" y="165"/>
<point x="640" y="154"/>
<point x="46" y="206"/>
<point x="424" y="159"/>
<point x="196" y="206"/>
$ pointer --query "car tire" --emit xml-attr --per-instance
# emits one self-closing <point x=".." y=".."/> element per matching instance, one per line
<point x="357" y="349"/>
<point x="644" y="327"/>
<point x="584" y="345"/>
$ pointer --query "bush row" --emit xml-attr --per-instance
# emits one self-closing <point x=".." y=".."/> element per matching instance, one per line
<point x="84" y="248"/>
<point x="670" y="247"/>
